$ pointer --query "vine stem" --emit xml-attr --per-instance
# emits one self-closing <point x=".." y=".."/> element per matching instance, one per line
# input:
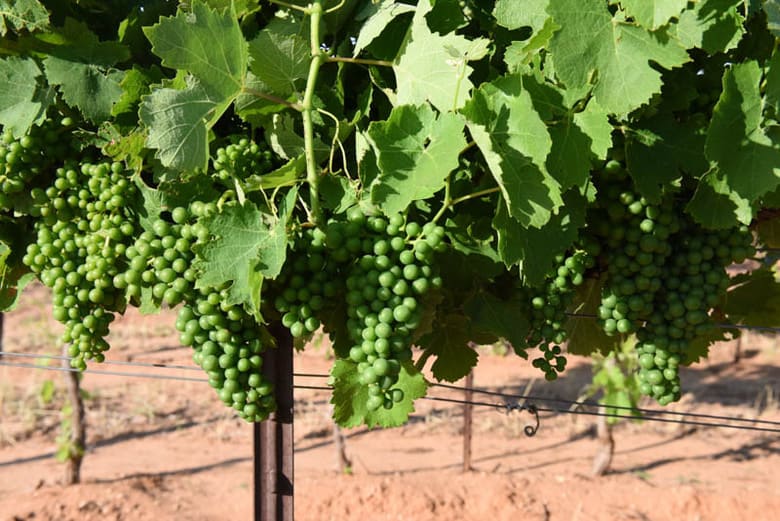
<point x="291" y="6"/>
<point x="360" y="61"/>
<point x="449" y="202"/>
<point x="474" y="195"/>
<point x="307" y="108"/>
<point x="271" y="97"/>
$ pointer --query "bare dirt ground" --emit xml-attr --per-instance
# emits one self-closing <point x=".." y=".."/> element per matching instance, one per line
<point x="167" y="450"/>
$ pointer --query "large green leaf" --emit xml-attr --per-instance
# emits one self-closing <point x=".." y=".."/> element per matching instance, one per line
<point x="662" y="150"/>
<point x="210" y="46"/>
<point x="178" y="123"/>
<point x="23" y="100"/>
<point x="85" y="86"/>
<point x="515" y="143"/>
<point x="577" y="140"/>
<point x="16" y="15"/>
<point x="206" y="43"/>
<point x="755" y="301"/>
<point x="585" y="334"/>
<point x="536" y="248"/>
<point x="434" y="68"/>
<point x="350" y="397"/>
<point x="416" y="151"/>
<point x="773" y="83"/>
<point x="246" y="243"/>
<point x="281" y="61"/>
<point x="712" y="25"/>
<point x="80" y="65"/>
<point x="376" y="23"/>
<point x="747" y="154"/>
<point x="533" y="14"/>
<point x="507" y="319"/>
<point x="714" y="205"/>
<point x="449" y="343"/>
<point x="14" y="276"/>
<point x="653" y="13"/>
<point x="590" y="42"/>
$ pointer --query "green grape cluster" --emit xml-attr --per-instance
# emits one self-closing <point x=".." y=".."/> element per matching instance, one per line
<point x="664" y="274"/>
<point x="228" y="344"/>
<point x="160" y="260"/>
<point x="81" y="240"/>
<point x="380" y="268"/>
<point x="392" y="269"/>
<point x="548" y="305"/>
<point x="634" y="236"/>
<point x="308" y="283"/>
<point x="241" y="159"/>
<point x="694" y="281"/>
<point x="25" y="159"/>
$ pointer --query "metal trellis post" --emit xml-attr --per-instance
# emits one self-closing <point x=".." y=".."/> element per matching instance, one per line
<point x="273" y="438"/>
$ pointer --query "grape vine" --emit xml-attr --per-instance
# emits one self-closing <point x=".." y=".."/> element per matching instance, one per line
<point x="410" y="179"/>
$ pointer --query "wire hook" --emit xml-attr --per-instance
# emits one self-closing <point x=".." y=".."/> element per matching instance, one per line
<point x="529" y="430"/>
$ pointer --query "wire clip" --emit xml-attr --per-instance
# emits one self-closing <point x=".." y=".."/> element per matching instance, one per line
<point x="529" y="430"/>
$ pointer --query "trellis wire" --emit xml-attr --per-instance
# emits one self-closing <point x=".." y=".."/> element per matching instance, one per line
<point x="507" y="405"/>
<point x="104" y="373"/>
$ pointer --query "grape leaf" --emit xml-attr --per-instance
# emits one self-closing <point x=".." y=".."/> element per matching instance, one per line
<point x="75" y="42"/>
<point x="653" y="13"/>
<point x="246" y="241"/>
<point x="14" y="276"/>
<point x="178" y="123"/>
<point x="747" y="154"/>
<point x="16" y="15"/>
<point x="662" y="150"/>
<point x="504" y="318"/>
<point x="772" y="94"/>
<point x="755" y="301"/>
<point x="80" y="65"/>
<point x="585" y="335"/>
<point x="449" y="343"/>
<point x="434" y="68"/>
<point x="578" y="135"/>
<point x="350" y="396"/>
<point x="281" y="61"/>
<point x="515" y="143"/>
<point x="415" y="153"/>
<point x="23" y="100"/>
<point x="206" y="43"/>
<point x="210" y="46"/>
<point x="85" y="86"/>
<point x="520" y="53"/>
<point x="712" y="25"/>
<point x="286" y="175"/>
<point x="772" y="9"/>
<point x="377" y="22"/>
<point x="536" y="248"/>
<point x="714" y="205"/>
<point x="577" y="139"/>
<point x="533" y="14"/>
<point x="135" y="84"/>
<point x="768" y="231"/>
<point x="591" y="42"/>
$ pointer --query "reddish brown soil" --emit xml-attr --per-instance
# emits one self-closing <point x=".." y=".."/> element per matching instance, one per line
<point x="166" y="450"/>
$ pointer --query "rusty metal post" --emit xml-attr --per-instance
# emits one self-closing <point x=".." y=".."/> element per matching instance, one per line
<point x="273" y="438"/>
<point x="467" y="412"/>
